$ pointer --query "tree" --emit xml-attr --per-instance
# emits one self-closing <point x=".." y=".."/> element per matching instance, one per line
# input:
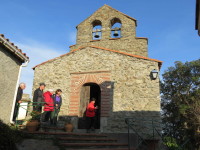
<point x="180" y="96"/>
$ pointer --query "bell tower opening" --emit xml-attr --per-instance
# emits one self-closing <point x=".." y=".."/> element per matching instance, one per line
<point x="116" y="28"/>
<point x="96" y="33"/>
<point x="88" y="91"/>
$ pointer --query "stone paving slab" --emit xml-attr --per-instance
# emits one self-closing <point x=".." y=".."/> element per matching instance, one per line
<point x="35" y="144"/>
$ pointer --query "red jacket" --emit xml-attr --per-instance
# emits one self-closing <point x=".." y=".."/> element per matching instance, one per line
<point x="49" y="105"/>
<point x="90" y="112"/>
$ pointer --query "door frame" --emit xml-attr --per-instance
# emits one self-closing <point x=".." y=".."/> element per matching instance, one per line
<point x="85" y="98"/>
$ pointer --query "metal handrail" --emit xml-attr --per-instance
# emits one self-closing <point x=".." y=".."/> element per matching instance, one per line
<point x="149" y="124"/>
<point x="131" y="122"/>
<point x="30" y="103"/>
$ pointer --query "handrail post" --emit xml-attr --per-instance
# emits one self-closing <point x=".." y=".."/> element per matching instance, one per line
<point x="153" y="133"/>
<point x="129" y="135"/>
<point x="17" y="107"/>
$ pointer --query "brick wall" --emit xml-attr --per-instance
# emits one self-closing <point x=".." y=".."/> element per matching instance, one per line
<point x="79" y="79"/>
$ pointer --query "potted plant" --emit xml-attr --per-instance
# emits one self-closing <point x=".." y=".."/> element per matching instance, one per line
<point x="68" y="126"/>
<point x="34" y="122"/>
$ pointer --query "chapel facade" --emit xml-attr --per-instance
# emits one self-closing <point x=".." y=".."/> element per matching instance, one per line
<point x="108" y="62"/>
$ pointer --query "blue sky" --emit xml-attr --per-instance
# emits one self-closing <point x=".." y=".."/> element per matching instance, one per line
<point x="45" y="29"/>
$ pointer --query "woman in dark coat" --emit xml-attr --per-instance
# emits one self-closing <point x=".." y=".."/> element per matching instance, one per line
<point x="57" y="104"/>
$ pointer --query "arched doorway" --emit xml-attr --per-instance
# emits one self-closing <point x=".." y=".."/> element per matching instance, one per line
<point x="88" y="91"/>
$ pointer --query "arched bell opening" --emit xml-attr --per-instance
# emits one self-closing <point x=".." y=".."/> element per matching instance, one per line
<point x="96" y="32"/>
<point x="115" y="28"/>
<point x="88" y="91"/>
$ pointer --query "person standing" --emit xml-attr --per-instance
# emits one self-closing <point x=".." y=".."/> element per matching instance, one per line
<point x="57" y="104"/>
<point x="48" y="105"/>
<point x="90" y="114"/>
<point x="38" y="98"/>
<point x="21" y="87"/>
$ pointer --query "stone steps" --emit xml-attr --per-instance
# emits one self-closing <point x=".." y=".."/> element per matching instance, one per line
<point x="94" y="145"/>
<point x="82" y="139"/>
<point x="91" y="141"/>
<point x="76" y="141"/>
<point x="55" y="128"/>
<point x="100" y="149"/>
<point x="68" y="134"/>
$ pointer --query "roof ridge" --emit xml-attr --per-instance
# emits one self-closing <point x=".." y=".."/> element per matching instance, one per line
<point x="137" y="56"/>
<point x="121" y="12"/>
<point x="110" y="8"/>
<point x="124" y="53"/>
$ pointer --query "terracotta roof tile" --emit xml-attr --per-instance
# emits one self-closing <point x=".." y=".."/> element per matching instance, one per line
<point x="2" y="35"/>
<point x="115" y="51"/>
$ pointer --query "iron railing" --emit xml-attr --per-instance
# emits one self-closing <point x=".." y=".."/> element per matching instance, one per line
<point x="29" y="109"/>
<point x="139" y="126"/>
<point x="146" y="130"/>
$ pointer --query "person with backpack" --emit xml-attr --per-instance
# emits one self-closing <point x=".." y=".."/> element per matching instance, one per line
<point x="57" y="98"/>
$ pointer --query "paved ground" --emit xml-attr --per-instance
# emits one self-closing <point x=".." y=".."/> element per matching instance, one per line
<point x="35" y="144"/>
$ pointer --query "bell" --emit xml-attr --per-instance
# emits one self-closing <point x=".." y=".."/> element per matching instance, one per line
<point x="96" y="35"/>
<point x="115" y="33"/>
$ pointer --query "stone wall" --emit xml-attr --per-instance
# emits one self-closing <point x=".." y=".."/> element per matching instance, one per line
<point x="127" y="43"/>
<point x="9" y="70"/>
<point x="133" y="93"/>
<point x="135" y="46"/>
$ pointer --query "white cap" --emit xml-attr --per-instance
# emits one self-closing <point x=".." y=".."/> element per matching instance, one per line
<point x="50" y="90"/>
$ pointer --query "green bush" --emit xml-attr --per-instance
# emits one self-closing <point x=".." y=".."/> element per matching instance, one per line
<point x="171" y="143"/>
<point x="8" y="137"/>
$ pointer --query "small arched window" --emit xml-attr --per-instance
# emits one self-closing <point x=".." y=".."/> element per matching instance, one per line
<point x="96" y="32"/>
<point x="116" y="28"/>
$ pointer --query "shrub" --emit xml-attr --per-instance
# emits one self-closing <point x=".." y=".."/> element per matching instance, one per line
<point x="8" y="136"/>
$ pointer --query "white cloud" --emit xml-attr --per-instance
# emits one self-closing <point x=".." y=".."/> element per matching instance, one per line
<point x="37" y="53"/>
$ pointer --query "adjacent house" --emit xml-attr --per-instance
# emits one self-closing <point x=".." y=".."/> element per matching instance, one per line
<point x="12" y="59"/>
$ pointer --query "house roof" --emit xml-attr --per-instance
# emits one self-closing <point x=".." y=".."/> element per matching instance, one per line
<point x="13" y="48"/>
<point x="106" y="49"/>
<point x="197" y="25"/>
<point x="112" y="9"/>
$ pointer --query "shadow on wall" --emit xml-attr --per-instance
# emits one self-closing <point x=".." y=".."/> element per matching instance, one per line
<point x="142" y="122"/>
<point x="108" y="120"/>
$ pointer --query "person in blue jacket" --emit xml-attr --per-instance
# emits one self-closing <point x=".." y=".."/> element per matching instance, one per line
<point x="57" y="105"/>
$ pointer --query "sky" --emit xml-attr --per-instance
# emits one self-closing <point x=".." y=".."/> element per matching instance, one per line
<point x="44" y="29"/>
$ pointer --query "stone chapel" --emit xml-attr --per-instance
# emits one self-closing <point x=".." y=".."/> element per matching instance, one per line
<point x="107" y="62"/>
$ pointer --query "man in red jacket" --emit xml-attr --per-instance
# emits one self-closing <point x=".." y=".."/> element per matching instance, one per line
<point x="48" y="106"/>
<point x="90" y="114"/>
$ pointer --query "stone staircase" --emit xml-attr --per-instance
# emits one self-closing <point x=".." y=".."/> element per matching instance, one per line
<point x="82" y="141"/>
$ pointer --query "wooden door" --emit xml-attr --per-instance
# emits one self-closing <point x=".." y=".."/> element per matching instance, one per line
<point x="84" y="100"/>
